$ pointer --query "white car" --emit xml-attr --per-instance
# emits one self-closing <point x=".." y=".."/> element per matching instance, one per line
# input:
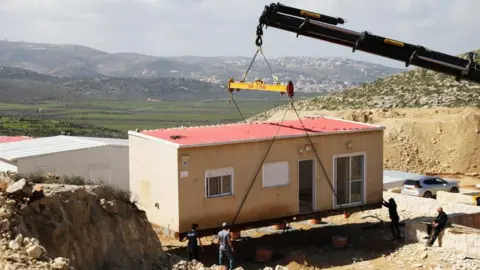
<point x="428" y="186"/>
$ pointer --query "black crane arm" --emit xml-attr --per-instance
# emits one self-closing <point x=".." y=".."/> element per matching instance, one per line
<point x="319" y="26"/>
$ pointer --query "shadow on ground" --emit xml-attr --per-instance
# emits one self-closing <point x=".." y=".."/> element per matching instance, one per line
<point x="313" y="247"/>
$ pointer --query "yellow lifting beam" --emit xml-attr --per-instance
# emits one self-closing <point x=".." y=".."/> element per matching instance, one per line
<point x="259" y="85"/>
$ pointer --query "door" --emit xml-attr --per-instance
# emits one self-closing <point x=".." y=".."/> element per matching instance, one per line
<point x="349" y="180"/>
<point x="306" y="187"/>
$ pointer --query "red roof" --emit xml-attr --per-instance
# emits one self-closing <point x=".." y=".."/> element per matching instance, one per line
<point x="4" y="139"/>
<point x="224" y="134"/>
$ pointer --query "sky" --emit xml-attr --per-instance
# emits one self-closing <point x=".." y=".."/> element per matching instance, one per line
<point x="227" y="27"/>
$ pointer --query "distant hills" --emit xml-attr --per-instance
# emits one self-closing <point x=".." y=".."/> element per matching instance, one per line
<point x="33" y="71"/>
<point x="20" y="85"/>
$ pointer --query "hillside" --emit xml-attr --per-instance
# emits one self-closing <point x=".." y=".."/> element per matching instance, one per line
<point x="318" y="75"/>
<point x="411" y="89"/>
<point x="423" y="140"/>
<point x="34" y="127"/>
<point x="21" y="85"/>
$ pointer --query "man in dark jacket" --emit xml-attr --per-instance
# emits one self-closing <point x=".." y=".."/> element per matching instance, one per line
<point x="437" y="226"/>
<point x="193" y="241"/>
<point x="395" y="219"/>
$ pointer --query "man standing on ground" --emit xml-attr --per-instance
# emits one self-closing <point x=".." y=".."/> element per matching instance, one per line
<point x="394" y="218"/>
<point x="193" y="240"/>
<point x="225" y="246"/>
<point x="437" y="226"/>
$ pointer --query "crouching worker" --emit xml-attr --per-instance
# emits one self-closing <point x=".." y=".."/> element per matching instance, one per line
<point x="193" y="241"/>
<point x="394" y="218"/>
<point x="437" y="226"/>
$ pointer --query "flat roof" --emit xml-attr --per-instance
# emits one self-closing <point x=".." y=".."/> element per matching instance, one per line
<point x="5" y="139"/>
<point x="238" y="133"/>
<point x="13" y="151"/>
<point x="4" y="167"/>
<point x="109" y="141"/>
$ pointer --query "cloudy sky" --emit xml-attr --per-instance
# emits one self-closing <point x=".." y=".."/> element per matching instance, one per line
<point x="227" y="27"/>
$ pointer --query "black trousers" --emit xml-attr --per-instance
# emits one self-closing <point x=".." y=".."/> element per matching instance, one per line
<point x="433" y="237"/>
<point x="192" y="253"/>
<point x="395" y="227"/>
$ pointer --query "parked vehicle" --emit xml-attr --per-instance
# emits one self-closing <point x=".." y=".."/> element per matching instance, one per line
<point x="428" y="186"/>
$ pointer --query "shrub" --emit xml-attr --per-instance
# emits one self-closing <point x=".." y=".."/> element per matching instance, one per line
<point x="119" y="193"/>
<point x="47" y="178"/>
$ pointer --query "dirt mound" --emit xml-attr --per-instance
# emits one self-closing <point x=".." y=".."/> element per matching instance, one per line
<point x="93" y="227"/>
<point x="426" y="140"/>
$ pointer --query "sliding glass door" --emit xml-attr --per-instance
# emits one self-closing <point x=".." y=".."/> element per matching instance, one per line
<point x="349" y="179"/>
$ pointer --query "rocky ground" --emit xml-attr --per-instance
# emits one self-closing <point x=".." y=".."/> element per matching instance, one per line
<point x="309" y="247"/>
<point x="422" y="140"/>
<point x="17" y="251"/>
<point x="55" y="226"/>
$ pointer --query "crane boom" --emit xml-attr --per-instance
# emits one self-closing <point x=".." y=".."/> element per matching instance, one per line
<point x="323" y="27"/>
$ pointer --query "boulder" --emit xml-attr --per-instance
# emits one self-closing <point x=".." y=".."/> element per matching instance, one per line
<point x="4" y="225"/>
<point x="60" y="263"/>
<point x="34" y="251"/>
<point x="110" y="206"/>
<point x="20" y="188"/>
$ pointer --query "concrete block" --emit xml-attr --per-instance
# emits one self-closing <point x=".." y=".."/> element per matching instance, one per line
<point x="462" y="237"/>
<point x="455" y="198"/>
<point x="472" y="242"/>
<point x="477" y="252"/>
<point x="448" y="243"/>
<point x="461" y="245"/>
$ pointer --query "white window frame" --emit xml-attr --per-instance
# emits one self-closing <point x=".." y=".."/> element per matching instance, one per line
<point x="277" y="185"/>
<point x="350" y="155"/>
<point x="218" y="173"/>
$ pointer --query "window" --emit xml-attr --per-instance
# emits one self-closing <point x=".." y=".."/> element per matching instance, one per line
<point x="349" y="179"/>
<point x="219" y="182"/>
<point x="275" y="174"/>
<point x="440" y="181"/>
<point x="410" y="182"/>
<point x="430" y="182"/>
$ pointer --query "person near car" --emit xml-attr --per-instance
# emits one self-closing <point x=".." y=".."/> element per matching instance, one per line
<point x="225" y="246"/>
<point x="437" y="226"/>
<point x="394" y="218"/>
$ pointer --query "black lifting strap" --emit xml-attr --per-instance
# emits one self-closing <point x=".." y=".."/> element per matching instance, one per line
<point x="316" y="155"/>
<point x="270" y="147"/>
<point x="275" y="79"/>
<point x="259" y="168"/>
<point x="230" y="98"/>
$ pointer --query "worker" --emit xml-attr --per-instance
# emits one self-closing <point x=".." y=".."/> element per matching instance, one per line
<point x="437" y="226"/>
<point x="394" y="218"/>
<point x="225" y="246"/>
<point x="193" y="241"/>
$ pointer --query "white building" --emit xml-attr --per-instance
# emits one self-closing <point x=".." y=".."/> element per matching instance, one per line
<point x="4" y="166"/>
<point x="94" y="159"/>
